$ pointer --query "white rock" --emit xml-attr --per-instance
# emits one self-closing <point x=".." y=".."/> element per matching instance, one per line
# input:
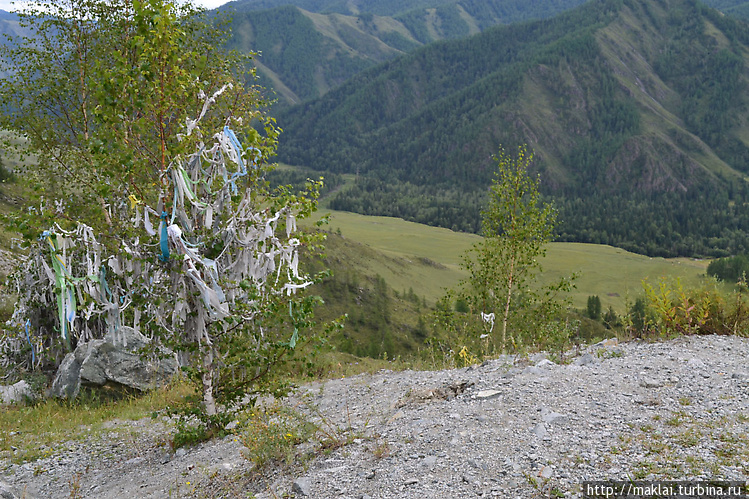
<point x="488" y="394"/>
<point x="18" y="392"/>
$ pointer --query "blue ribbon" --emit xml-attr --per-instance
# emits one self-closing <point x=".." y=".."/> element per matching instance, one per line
<point x="238" y="148"/>
<point x="164" y="239"/>
<point x="28" y="338"/>
<point x="105" y="291"/>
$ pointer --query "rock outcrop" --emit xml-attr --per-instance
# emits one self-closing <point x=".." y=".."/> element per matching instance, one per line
<point x="113" y="361"/>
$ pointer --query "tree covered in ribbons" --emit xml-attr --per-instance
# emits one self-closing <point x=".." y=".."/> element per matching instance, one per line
<point x="150" y="206"/>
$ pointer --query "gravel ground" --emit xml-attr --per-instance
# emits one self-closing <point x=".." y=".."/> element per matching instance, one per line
<point x="674" y="410"/>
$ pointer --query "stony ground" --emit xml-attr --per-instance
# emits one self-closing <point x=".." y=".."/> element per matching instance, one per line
<point x="508" y="428"/>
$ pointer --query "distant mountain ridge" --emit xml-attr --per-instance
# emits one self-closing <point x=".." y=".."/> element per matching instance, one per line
<point x="636" y="109"/>
<point x="9" y="24"/>
<point x="310" y="47"/>
<point x="399" y="7"/>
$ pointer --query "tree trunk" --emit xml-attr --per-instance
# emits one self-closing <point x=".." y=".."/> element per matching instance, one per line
<point x="195" y="330"/>
<point x="510" y="282"/>
<point x="206" y="352"/>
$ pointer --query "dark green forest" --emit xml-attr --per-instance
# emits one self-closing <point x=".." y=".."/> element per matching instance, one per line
<point x="730" y="269"/>
<point x="309" y="59"/>
<point x="487" y="11"/>
<point x="663" y="179"/>
<point x="514" y="9"/>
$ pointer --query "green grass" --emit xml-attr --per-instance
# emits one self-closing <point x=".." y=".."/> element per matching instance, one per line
<point x="27" y="432"/>
<point x="414" y="256"/>
<point x="428" y="260"/>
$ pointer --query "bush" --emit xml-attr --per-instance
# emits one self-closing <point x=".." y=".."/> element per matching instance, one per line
<point x="705" y="310"/>
<point x="729" y="269"/>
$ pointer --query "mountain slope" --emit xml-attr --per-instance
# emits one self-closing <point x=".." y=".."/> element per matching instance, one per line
<point x="304" y="53"/>
<point x="636" y="110"/>
<point x="9" y="26"/>
<point x="345" y="37"/>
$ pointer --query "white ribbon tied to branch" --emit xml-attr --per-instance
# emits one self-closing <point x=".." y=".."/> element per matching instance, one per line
<point x="488" y="319"/>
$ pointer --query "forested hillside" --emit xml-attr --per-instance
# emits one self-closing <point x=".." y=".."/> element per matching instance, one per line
<point x="735" y="8"/>
<point x="310" y="47"/>
<point x="636" y="110"/>
<point x="395" y="8"/>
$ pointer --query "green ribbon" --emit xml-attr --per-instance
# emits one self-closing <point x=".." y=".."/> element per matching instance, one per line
<point x="294" y="337"/>
<point x="64" y="289"/>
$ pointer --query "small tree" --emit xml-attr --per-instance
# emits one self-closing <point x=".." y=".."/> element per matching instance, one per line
<point x="594" y="307"/>
<point x="516" y="228"/>
<point x="151" y="207"/>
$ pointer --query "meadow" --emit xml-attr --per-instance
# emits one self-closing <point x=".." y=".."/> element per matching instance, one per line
<point x="427" y="260"/>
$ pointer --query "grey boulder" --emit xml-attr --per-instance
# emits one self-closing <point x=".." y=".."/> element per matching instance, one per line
<point x="7" y="492"/>
<point x="19" y="392"/>
<point x="114" y="360"/>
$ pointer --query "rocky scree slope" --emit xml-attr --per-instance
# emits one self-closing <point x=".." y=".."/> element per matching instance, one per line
<point x="507" y="428"/>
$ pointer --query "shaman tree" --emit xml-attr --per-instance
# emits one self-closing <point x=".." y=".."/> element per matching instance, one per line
<point x="150" y="206"/>
<point x="516" y="226"/>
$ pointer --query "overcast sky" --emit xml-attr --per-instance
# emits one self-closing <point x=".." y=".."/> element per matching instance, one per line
<point x="208" y="4"/>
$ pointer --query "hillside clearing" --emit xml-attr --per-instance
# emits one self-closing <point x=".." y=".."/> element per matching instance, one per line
<point x="615" y="275"/>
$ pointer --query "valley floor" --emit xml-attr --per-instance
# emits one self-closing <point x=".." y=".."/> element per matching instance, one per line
<point x="509" y="428"/>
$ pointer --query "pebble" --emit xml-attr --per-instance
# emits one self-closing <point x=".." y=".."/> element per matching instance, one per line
<point x="488" y="394"/>
<point x="587" y="359"/>
<point x="650" y="383"/>
<point x="647" y="411"/>
<point x="552" y="417"/>
<point x="302" y="487"/>
<point x="540" y="431"/>
<point x="7" y="492"/>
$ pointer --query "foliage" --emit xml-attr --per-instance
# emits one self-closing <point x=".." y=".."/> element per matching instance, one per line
<point x="611" y="319"/>
<point x="381" y="322"/>
<point x="271" y="435"/>
<point x="516" y="227"/>
<point x="503" y="266"/>
<point x="5" y="174"/>
<point x="637" y="317"/>
<point x="677" y="311"/>
<point x="729" y="269"/>
<point x="672" y="309"/>
<point x="194" y="426"/>
<point x="452" y="208"/>
<point x="594" y="307"/>
<point x="135" y="113"/>
<point x="420" y="130"/>
<point x="295" y="180"/>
